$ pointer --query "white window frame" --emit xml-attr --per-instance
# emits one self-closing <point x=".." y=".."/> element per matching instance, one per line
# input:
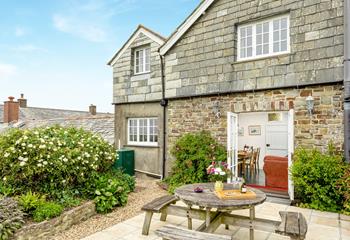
<point x="253" y="25"/>
<point x="138" y="142"/>
<point x="144" y="60"/>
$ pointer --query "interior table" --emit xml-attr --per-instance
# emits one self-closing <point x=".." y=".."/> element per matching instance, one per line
<point x="208" y="201"/>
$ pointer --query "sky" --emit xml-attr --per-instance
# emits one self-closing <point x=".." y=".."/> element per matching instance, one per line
<point x="55" y="52"/>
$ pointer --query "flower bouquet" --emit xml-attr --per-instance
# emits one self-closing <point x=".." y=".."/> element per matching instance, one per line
<point x="218" y="171"/>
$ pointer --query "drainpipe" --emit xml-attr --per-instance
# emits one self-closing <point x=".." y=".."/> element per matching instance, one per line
<point x="164" y="104"/>
<point x="347" y="80"/>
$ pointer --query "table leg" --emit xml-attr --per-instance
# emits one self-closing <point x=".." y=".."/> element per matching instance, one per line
<point x="252" y="217"/>
<point x="189" y="219"/>
<point x="207" y="217"/>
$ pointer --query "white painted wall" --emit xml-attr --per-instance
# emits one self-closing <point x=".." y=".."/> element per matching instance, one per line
<point x="257" y="118"/>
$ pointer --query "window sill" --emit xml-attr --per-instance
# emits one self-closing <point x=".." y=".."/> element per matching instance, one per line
<point x="142" y="76"/>
<point x="142" y="73"/>
<point x="141" y="146"/>
<point x="262" y="58"/>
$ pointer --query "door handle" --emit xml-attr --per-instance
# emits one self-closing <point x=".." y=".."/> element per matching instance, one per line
<point x="267" y="145"/>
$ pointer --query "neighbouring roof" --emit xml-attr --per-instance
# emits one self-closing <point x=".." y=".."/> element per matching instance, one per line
<point x="31" y="117"/>
<point x="102" y="125"/>
<point x="36" y="113"/>
<point x="140" y="29"/>
<point x="185" y="25"/>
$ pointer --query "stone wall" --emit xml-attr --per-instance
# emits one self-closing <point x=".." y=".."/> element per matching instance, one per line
<point x="46" y="229"/>
<point x="324" y="125"/>
<point x="204" y="59"/>
<point x="128" y="87"/>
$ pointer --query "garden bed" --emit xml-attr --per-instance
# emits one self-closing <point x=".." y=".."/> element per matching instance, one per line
<point x="48" y="228"/>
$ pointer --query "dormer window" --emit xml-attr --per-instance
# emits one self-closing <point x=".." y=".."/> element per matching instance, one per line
<point x="142" y="60"/>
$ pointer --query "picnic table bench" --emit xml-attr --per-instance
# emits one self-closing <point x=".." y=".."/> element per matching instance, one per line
<point x="214" y="213"/>
<point x="156" y="206"/>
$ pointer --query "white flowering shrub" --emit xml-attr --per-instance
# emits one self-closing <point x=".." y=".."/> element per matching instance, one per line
<point x="52" y="158"/>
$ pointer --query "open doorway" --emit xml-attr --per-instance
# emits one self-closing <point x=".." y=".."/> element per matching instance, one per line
<point x="268" y="139"/>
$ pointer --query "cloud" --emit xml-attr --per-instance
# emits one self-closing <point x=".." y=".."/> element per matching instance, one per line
<point x="90" y="20"/>
<point x="78" y="28"/>
<point x="19" y="32"/>
<point x="28" y="48"/>
<point x="7" y="71"/>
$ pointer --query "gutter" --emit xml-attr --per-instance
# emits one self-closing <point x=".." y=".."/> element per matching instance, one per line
<point x="164" y="104"/>
<point x="347" y="80"/>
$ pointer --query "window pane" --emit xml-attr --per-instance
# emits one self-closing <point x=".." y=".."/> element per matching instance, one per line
<point x="243" y="55"/>
<point x="249" y="31"/>
<point x="266" y="38"/>
<point x="266" y="27"/>
<point x="249" y="52"/>
<point x="284" y="46"/>
<point x="243" y="43"/>
<point x="148" y="56"/>
<point x="259" y="50"/>
<point x="258" y="39"/>
<point x="284" y="23"/>
<point x="141" y="61"/>
<point x="276" y="25"/>
<point x="266" y="49"/>
<point x="242" y="32"/>
<point x="276" y="47"/>
<point x="258" y="28"/>
<point x="249" y="41"/>
<point x="284" y="34"/>
<point x="276" y="36"/>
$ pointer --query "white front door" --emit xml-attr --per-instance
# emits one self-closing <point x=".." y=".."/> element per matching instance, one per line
<point x="232" y="143"/>
<point x="277" y="139"/>
<point x="290" y="152"/>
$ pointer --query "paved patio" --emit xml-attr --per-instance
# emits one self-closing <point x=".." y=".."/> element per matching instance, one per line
<point x="321" y="225"/>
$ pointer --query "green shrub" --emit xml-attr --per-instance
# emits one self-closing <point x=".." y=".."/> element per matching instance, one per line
<point x="344" y="188"/>
<point x="6" y="190"/>
<point x="30" y="201"/>
<point x="68" y="198"/>
<point x="194" y="153"/>
<point x="47" y="210"/>
<point x="11" y="218"/>
<point x="52" y="159"/>
<point x="111" y="190"/>
<point x="316" y="177"/>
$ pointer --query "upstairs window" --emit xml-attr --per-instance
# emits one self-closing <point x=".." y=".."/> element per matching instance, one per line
<point x="142" y="60"/>
<point x="264" y="38"/>
<point x="143" y="131"/>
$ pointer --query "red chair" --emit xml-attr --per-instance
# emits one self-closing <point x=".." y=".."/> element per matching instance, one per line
<point x="276" y="171"/>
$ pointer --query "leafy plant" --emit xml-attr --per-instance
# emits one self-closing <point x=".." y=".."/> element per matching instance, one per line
<point x="194" y="153"/>
<point x="344" y="188"/>
<point x="68" y="198"/>
<point x="52" y="159"/>
<point x="111" y="191"/>
<point x="11" y="217"/>
<point x="6" y="190"/>
<point x="30" y="201"/>
<point x="316" y="178"/>
<point x="47" y="210"/>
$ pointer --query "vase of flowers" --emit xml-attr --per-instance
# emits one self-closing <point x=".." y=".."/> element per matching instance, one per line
<point x="218" y="172"/>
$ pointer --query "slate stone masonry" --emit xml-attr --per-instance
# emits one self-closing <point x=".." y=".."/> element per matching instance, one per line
<point x="325" y="125"/>
<point x="204" y="60"/>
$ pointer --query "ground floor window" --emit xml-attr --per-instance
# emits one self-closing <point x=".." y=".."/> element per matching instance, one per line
<point x="143" y="131"/>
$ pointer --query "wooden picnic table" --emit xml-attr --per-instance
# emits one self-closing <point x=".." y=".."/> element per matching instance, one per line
<point x="208" y="200"/>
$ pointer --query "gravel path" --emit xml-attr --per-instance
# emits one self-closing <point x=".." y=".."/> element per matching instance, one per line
<point x="146" y="190"/>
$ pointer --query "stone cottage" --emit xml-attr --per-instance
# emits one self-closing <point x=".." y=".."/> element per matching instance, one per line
<point x="256" y="59"/>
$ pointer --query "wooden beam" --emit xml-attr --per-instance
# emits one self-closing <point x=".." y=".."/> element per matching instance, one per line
<point x="243" y="221"/>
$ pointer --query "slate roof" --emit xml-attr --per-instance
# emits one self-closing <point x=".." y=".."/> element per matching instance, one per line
<point x="31" y="117"/>
<point x="36" y="113"/>
<point x="102" y="125"/>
